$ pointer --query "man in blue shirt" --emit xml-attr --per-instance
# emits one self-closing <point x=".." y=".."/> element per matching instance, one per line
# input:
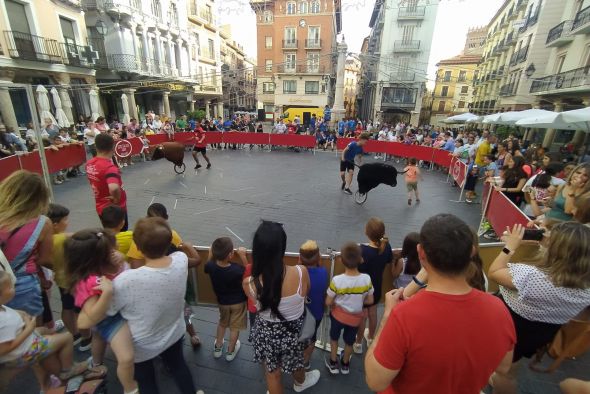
<point x="349" y="154"/>
<point x="341" y="128"/>
<point x="450" y="144"/>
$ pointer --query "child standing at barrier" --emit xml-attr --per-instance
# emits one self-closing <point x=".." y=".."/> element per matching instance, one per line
<point x="470" y="182"/>
<point x="412" y="173"/>
<point x="377" y="254"/>
<point x="309" y="256"/>
<point x="226" y="278"/>
<point x="347" y="294"/>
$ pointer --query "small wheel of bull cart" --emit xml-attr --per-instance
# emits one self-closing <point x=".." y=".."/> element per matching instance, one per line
<point x="360" y="198"/>
<point x="179" y="169"/>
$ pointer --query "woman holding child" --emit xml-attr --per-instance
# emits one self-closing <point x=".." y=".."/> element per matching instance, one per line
<point x="279" y="294"/>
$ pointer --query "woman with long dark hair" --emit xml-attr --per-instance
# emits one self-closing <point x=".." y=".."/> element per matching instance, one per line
<point x="279" y="294"/>
<point x="514" y="180"/>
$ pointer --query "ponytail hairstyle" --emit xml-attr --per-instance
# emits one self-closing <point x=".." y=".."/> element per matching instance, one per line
<point x="375" y="231"/>
<point x="410" y="253"/>
<point x="88" y="252"/>
<point x="268" y="249"/>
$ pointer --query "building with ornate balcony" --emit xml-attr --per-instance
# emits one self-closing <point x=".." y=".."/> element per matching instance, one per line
<point x="35" y="52"/>
<point x="514" y="53"/>
<point x="395" y="62"/>
<point x="238" y="76"/>
<point x="296" y="54"/>
<point x="562" y="82"/>
<point x="163" y="54"/>
<point x="352" y="70"/>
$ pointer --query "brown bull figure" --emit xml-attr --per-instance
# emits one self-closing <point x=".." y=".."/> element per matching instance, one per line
<point x="171" y="151"/>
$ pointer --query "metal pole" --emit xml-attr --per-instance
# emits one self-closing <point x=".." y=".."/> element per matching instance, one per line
<point x="37" y="128"/>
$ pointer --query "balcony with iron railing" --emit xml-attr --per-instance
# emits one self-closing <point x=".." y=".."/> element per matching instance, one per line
<point x="310" y="69"/>
<point x="286" y="68"/>
<point x="560" y="34"/>
<point x="508" y="89"/>
<point x="509" y="40"/>
<point x="573" y="80"/>
<point x="122" y="7"/>
<point x="313" y="43"/>
<point x="531" y="21"/>
<point x="290" y="44"/>
<point x="402" y="76"/>
<point x="406" y="46"/>
<point x="581" y="23"/>
<point x="519" y="57"/>
<point x="412" y="12"/>
<point x="202" y="13"/>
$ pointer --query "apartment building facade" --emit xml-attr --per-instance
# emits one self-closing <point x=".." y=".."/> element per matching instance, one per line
<point x="43" y="42"/>
<point x="396" y="59"/>
<point x="163" y="54"/>
<point x="296" y="53"/>
<point x="514" y="54"/>
<point x="352" y="69"/>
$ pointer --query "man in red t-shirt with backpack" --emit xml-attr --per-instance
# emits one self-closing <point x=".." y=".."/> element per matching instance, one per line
<point x="448" y="338"/>
<point x="105" y="177"/>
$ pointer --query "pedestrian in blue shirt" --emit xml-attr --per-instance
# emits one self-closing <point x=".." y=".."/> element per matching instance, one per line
<point x="450" y="144"/>
<point x="341" y="128"/>
<point x="349" y="154"/>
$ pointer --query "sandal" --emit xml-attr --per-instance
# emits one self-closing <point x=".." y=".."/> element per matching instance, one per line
<point x="96" y="372"/>
<point x="77" y="369"/>
<point x="195" y="341"/>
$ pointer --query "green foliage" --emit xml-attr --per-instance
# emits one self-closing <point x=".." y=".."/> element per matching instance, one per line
<point x="503" y="132"/>
<point x="197" y="115"/>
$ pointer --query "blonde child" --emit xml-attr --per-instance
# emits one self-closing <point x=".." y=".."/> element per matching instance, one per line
<point x="412" y="174"/>
<point x="92" y="262"/>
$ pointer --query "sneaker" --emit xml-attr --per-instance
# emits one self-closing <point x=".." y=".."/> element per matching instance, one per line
<point x="344" y="367"/>
<point x="231" y="355"/>
<point x="77" y="339"/>
<point x="366" y="335"/>
<point x="198" y="166"/>
<point x="343" y="185"/>
<point x="418" y="201"/>
<point x="409" y="201"/>
<point x="311" y="378"/>
<point x="332" y="366"/>
<point x="208" y="165"/>
<point x="347" y="191"/>
<point x="58" y="325"/>
<point x="357" y="348"/>
<point x="85" y="344"/>
<point x="217" y="351"/>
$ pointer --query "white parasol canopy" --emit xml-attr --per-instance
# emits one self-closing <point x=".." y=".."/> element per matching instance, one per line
<point x="477" y="119"/>
<point x="461" y="118"/>
<point x="94" y="104"/>
<point x="578" y="119"/>
<point x="491" y="119"/>
<point x="43" y="101"/>
<point x="60" y="115"/>
<point x="125" y="102"/>
<point x="510" y="118"/>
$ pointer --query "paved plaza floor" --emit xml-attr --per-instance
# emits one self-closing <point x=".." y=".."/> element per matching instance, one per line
<point x="301" y="190"/>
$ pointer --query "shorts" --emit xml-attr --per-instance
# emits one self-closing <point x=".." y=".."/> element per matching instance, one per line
<point x="348" y="332"/>
<point x="109" y="326"/>
<point x="200" y="149"/>
<point x="233" y="316"/>
<point x="38" y="351"/>
<point x="346" y="166"/>
<point x="27" y="295"/>
<point x="412" y="186"/>
<point x="315" y="333"/>
<point x="67" y="301"/>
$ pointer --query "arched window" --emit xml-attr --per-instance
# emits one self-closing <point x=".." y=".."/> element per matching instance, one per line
<point x="303" y="7"/>
<point x="315" y="7"/>
<point x="267" y="16"/>
<point x="291" y="8"/>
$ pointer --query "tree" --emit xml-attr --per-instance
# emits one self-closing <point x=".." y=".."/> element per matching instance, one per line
<point x="197" y="115"/>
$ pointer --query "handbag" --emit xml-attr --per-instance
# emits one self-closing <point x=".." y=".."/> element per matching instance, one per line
<point x="307" y="330"/>
<point x="572" y="340"/>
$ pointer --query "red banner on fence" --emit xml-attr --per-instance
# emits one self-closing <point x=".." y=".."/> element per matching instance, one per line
<point x="442" y="157"/>
<point x="302" y="141"/>
<point x="245" y="138"/>
<point x="458" y="171"/>
<point x="502" y="213"/>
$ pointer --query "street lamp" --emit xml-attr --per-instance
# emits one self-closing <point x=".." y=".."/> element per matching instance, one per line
<point x="530" y="70"/>
<point x="100" y="27"/>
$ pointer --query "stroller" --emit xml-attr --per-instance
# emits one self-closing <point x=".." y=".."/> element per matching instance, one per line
<point x="171" y="151"/>
<point x="370" y="176"/>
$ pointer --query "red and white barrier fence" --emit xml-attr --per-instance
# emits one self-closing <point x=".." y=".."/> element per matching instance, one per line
<point x="500" y="211"/>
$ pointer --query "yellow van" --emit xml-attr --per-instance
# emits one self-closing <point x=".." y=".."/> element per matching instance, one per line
<point x="304" y="114"/>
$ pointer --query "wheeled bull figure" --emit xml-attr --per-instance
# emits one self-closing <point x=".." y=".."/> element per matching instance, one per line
<point x="171" y="151"/>
<point x="372" y="175"/>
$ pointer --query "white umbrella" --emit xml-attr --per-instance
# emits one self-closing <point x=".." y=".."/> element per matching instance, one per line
<point x="491" y="119"/>
<point x="43" y="101"/>
<point x="461" y="118"/>
<point x="60" y="115"/>
<point x="510" y="118"/>
<point x="578" y="119"/>
<point x="125" y="102"/>
<point x="94" y="104"/>
<point x="477" y="119"/>
<point x="66" y="102"/>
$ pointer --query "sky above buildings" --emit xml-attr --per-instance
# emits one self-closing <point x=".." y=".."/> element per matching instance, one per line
<point x="455" y="17"/>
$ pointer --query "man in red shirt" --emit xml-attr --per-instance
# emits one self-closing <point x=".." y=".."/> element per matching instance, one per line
<point x="448" y="338"/>
<point x="200" y="146"/>
<point x="105" y="178"/>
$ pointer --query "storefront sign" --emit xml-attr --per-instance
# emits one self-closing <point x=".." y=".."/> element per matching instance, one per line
<point x="166" y="86"/>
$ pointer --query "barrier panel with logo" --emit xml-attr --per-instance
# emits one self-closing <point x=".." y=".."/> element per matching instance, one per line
<point x="123" y="148"/>
<point x="458" y="171"/>
<point x="502" y="213"/>
<point x="302" y="141"/>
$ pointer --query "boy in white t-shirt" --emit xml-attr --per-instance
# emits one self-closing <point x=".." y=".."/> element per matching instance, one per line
<point x="346" y="296"/>
<point x="21" y="345"/>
